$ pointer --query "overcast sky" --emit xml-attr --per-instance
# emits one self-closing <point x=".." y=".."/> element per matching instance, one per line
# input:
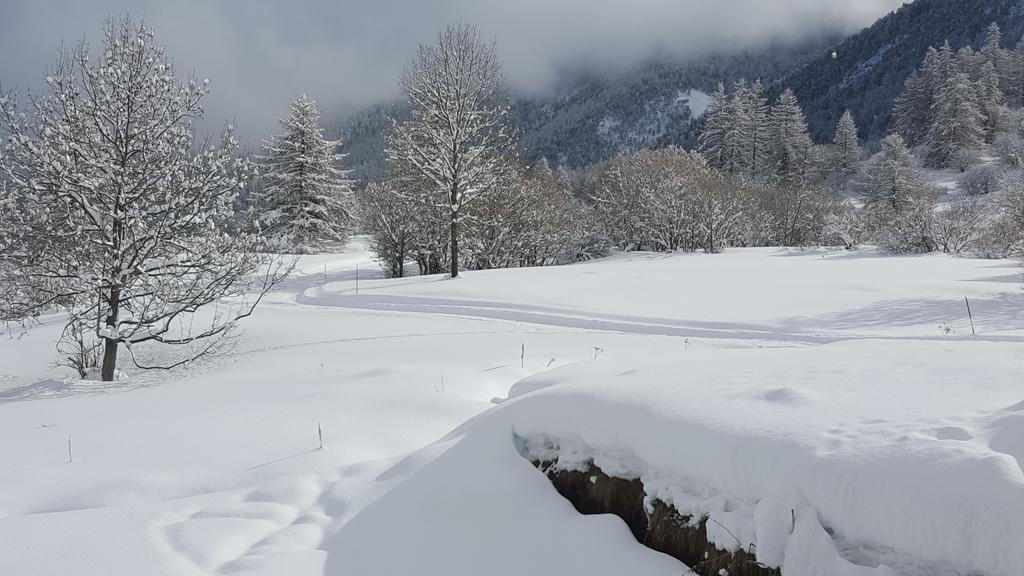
<point x="347" y="54"/>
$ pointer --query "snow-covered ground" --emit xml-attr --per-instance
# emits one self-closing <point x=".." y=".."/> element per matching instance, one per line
<point x="846" y="387"/>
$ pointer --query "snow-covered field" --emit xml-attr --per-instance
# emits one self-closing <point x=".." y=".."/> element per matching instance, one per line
<point x="832" y="408"/>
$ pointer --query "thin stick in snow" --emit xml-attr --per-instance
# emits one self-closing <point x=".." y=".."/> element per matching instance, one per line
<point x="969" y="315"/>
<point x="320" y="434"/>
<point x="522" y="356"/>
<point x="70" y="458"/>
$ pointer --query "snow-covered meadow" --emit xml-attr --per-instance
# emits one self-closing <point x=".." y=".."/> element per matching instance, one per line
<point x="832" y="408"/>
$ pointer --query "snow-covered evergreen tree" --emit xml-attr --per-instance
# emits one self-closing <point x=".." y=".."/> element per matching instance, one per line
<point x="893" y="179"/>
<point x="1016" y="73"/>
<point x="993" y="43"/>
<point x="790" y="155"/>
<point x="543" y="167"/>
<point x="736" y="139"/>
<point x="758" y="125"/>
<point x="990" y="100"/>
<point x="737" y="131"/>
<point x="306" y="199"/>
<point x="716" y="126"/>
<point x="957" y="121"/>
<point x="457" y="139"/>
<point x="845" y="152"/>
<point x="899" y="204"/>
<point x="957" y="101"/>
<point x="1001" y="59"/>
<point x="123" y="220"/>
<point x="912" y="109"/>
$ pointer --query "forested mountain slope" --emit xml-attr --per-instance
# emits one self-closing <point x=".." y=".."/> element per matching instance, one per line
<point x="592" y="117"/>
<point x="870" y="67"/>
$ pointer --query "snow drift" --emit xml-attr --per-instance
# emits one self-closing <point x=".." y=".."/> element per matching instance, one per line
<point x="853" y="458"/>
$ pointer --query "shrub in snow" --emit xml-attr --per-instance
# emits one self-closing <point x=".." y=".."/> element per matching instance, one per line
<point x="981" y="180"/>
<point x="390" y="221"/>
<point x="964" y="159"/>
<point x="958" y="226"/>
<point x="529" y="219"/>
<point x="792" y="214"/>
<point x="1009" y="143"/>
<point x="1003" y="233"/>
<point x="907" y="231"/>
<point x="1010" y="147"/>
<point x="80" y="348"/>
<point x="667" y="200"/>
<point x="848" y="225"/>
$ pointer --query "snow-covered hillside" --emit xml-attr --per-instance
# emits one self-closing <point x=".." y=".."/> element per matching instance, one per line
<point x="841" y="392"/>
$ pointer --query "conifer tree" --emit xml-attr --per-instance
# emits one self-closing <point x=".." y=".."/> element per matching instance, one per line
<point x="307" y="199"/>
<point x="716" y="126"/>
<point x="1000" y="58"/>
<point x="893" y="181"/>
<point x="543" y="167"/>
<point x="957" y="123"/>
<point x="845" y="147"/>
<point x="735" y="139"/>
<point x="912" y="108"/>
<point x="898" y="201"/>
<point x="993" y="42"/>
<point x="990" y="99"/>
<point x="790" y="157"/>
<point x="1016" y="73"/>
<point x="755" y="108"/>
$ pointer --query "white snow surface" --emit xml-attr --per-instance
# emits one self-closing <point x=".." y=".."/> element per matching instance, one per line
<point x="766" y="294"/>
<point x="831" y="409"/>
<point x="697" y="100"/>
<point x="909" y="454"/>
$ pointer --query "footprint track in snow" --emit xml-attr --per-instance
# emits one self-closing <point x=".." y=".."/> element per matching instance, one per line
<point x="250" y="530"/>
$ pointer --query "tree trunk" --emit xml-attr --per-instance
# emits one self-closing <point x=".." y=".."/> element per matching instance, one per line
<point x="402" y="255"/>
<point x="110" y="344"/>
<point x="109" y="359"/>
<point x="455" y="244"/>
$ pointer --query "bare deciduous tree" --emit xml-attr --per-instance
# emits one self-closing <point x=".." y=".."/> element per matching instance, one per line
<point x="122" y="217"/>
<point x="457" y="137"/>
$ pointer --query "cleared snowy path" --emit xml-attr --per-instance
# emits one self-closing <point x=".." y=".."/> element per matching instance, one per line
<point x="568" y="318"/>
